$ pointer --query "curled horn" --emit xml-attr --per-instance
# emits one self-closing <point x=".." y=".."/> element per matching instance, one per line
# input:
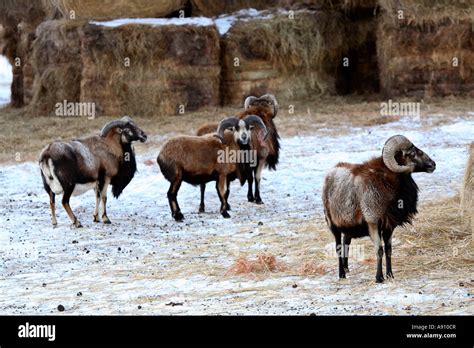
<point x="392" y="145"/>
<point x="112" y="124"/>
<point x="225" y="124"/>
<point x="248" y="101"/>
<point x="255" y="119"/>
<point x="271" y="98"/>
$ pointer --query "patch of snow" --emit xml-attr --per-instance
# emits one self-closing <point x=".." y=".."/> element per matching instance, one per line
<point x="199" y="21"/>
<point x="6" y="78"/>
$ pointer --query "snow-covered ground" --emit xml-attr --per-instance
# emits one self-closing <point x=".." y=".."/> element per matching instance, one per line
<point x="146" y="259"/>
<point x="5" y="80"/>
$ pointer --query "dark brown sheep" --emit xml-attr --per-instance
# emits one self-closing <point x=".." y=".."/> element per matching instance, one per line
<point x="73" y="167"/>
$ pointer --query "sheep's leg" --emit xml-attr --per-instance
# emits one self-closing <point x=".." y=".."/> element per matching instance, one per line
<point x="52" y="204"/>
<point x="227" y="196"/>
<point x="346" y="242"/>
<point x="221" y="186"/>
<point x="339" y="247"/>
<point x="375" y="236"/>
<point x="258" y="177"/>
<point x="97" y="202"/>
<point x="173" y="199"/>
<point x="103" y="197"/>
<point x="387" y="240"/>
<point x="202" y="208"/>
<point x="66" y="196"/>
<point x="250" y="196"/>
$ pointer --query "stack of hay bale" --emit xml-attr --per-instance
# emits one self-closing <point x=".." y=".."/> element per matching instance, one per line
<point x="293" y="54"/>
<point x="426" y="48"/>
<point x="294" y="49"/>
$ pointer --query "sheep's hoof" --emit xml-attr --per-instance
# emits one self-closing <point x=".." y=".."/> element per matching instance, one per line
<point x="201" y="209"/>
<point x="96" y="218"/>
<point x="390" y="275"/>
<point x="342" y="276"/>
<point x="106" y="220"/>
<point x="225" y="214"/>
<point x="77" y="224"/>
<point x="250" y="199"/>
<point x="346" y="269"/>
<point x="227" y="207"/>
<point x="379" y="279"/>
<point x="178" y="216"/>
<point x="259" y="201"/>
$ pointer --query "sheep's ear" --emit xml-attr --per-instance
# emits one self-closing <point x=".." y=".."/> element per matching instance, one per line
<point x="119" y="130"/>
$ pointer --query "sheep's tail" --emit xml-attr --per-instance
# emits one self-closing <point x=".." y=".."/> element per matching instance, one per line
<point x="168" y="168"/>
<point x="48" y="174"/>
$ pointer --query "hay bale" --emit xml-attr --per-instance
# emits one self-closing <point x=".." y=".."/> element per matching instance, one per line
<point x="134" y="69"/>
<point x="293" y="58"/>
<point x="467" y="192"/>
<point x="171" y="66"/>
<point x="57" y="65"/>
<point x="109" y="9"/>
<point x="415" y="54"/>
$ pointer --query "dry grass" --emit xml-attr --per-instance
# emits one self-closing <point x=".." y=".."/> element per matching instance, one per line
<point x="423" y="12"/>
<point x="467" y="193"/>
<point x="312" y="268"/>
<point x="263" y="263"/>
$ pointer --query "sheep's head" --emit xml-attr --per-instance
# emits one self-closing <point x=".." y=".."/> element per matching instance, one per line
<point x="240" y="127"/>
<point x="401" y="156"/>
<point x="128" y="130"/>
<point x="266" y="101"/>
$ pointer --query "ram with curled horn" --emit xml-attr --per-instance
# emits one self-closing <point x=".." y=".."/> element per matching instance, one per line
<point x="76" y="166"/>
<point x="266" y="145"/>
<point x="373" y="198"/>
<point x="198" y="160"/>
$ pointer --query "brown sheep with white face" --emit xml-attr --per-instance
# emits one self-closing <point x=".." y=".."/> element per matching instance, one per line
<point x="267" y="147"/>
<point x="73" y="167"/>
<point x="373" y="198"/>
<point x="196" y="159"/>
